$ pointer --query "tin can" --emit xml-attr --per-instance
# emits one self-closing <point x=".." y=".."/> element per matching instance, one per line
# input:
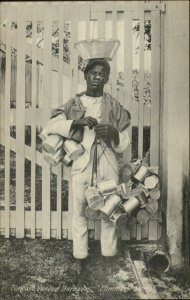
<point x="142" y="216"/>
<point x="53" y="143"/>
<point x="130" y="205"/>
<point x="110" y="206"/>
<point x="119" y="219"/>
<point x="142" y="199"/>
<point x="53" y="159"/>
<point x="94" y="198"/>
<point x="66" y="160"/>
<point x="108" y="186"/>
<point x="140" y="174"/>
<point x="73" y="149"/>
<point x="151" y="181"/>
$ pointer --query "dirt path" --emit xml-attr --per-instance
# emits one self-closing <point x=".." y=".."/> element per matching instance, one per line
<point x="38" y="269"/>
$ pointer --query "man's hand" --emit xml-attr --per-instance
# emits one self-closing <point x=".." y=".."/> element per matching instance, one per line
<point x="88" y="121"/>
<point x="107" y="133"/>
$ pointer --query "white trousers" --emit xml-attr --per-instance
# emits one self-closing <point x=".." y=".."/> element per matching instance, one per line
<point x="80" y="182"/>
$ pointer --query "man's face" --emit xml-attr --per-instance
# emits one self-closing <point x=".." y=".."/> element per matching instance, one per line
<point x="96" y="77"/>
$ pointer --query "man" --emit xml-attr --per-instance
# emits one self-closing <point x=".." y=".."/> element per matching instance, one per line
<point x="94" y="113"/>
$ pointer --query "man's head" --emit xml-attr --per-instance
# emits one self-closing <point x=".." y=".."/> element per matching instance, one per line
<point x="96" y="74"/>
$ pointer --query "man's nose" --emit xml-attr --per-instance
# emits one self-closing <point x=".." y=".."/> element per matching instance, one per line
<point x="97" y="76"/>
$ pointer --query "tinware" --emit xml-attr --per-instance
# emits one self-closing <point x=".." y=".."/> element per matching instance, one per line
<point x="52" y="143"/>
<point x="159" y="261"/>
<point x="140" y="174"/>
<point x="155" y="193"/>
<point x="130" y="205"/>
<point x="142" y="199"/>
<point x="66" y="160"/>
<point x="152" y="206"/>
<point x="73" y="149"/>
<point x="97" y="48"/>
<point x="151" y="181"/>
<point x="108" y="186"/>
<point x="53" y="159"/>
<point x="94" y="198"/>
<point x="111" y="204"/>
<point x="119" y="219"/>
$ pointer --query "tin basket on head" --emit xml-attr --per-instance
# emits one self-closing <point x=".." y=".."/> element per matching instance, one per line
<point x="97" y="48"/>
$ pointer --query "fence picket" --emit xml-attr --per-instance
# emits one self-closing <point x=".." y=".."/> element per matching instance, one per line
<point x="20" y="120"/>
<point x="33" y="127"/>
<point x="60" y="101"/>
<point x="7" y="119"/>
<point x="47" y="19"/>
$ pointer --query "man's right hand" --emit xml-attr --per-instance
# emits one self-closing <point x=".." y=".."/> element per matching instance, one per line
<point x="88" y="121"/>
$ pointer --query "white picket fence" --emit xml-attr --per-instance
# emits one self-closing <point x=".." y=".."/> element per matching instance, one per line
<point x="53" y="81"/>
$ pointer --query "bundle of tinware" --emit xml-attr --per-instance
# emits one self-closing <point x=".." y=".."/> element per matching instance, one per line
<point x="58" y="149"/>
<point x="137" y="194"/>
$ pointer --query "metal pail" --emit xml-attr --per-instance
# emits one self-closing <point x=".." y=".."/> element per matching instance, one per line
<point x="94" y="198"/>
<point x="159" y="261"/>
<point x="66" y="160"/>
<point x="53" y="159"/>
<point x="73" y="149"/>
<point x="108" y="186"/>
<point x="119" y="219"/>
<point x="53" y="143"/>
<point x="111" y="204"/>
<point x="142" y="199"/>
<point x="130" y="205"/>
<point x="140" y="174"/>
<point x="151" y="181"/>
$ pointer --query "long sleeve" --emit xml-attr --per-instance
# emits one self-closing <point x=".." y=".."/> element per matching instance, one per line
<point x="57" y="125"/>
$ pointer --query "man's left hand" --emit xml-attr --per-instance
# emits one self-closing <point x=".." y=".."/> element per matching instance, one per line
<point x="107" y="133"/>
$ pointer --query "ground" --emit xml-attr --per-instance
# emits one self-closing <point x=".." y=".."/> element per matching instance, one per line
<point x="41" y="269"/>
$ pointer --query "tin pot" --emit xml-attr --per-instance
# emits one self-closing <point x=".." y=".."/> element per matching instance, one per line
<point x="53" y="159"/>
<point x="73" y="149"/>
<point x="142" y="199"/>
<point x="160" y="261"/>
<point x="119" y="219"/>
<point x="151" y="181"/>
<point x="94" y="198"/>
<point x="110" y="205"/>
<point x="108" y="186"/>
<point x="130" y="205"/>
<point x="140" y="174"/>
<point x="66" y="160"/>
<point x="53" y="143"/>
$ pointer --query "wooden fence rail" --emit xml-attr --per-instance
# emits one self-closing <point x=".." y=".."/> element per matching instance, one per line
<point x="48" y="81"/>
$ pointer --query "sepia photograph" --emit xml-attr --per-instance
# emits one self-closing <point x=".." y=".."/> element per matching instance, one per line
<point x="94" y="150"/>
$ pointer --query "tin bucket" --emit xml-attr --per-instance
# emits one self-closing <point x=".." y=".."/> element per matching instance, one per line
<point x="130" y="205"/>
<point x="119" y="219"/>
<point x="73" y="149"/>
<point x="94" y="198"/>
<point x="151" y="181"/>
<point x="53" y="143"/>
<point x="142" y="199"/>
<point x="53" y="159"/>
<point x="92" y="214"/>
<point x="97" y="48"/>
<point x="140" y="174"/>
<point x="110" y="205"/>
<point x="108" y="186"/>
<point x="159" y="261"/>
<point x="66" y="160"/>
